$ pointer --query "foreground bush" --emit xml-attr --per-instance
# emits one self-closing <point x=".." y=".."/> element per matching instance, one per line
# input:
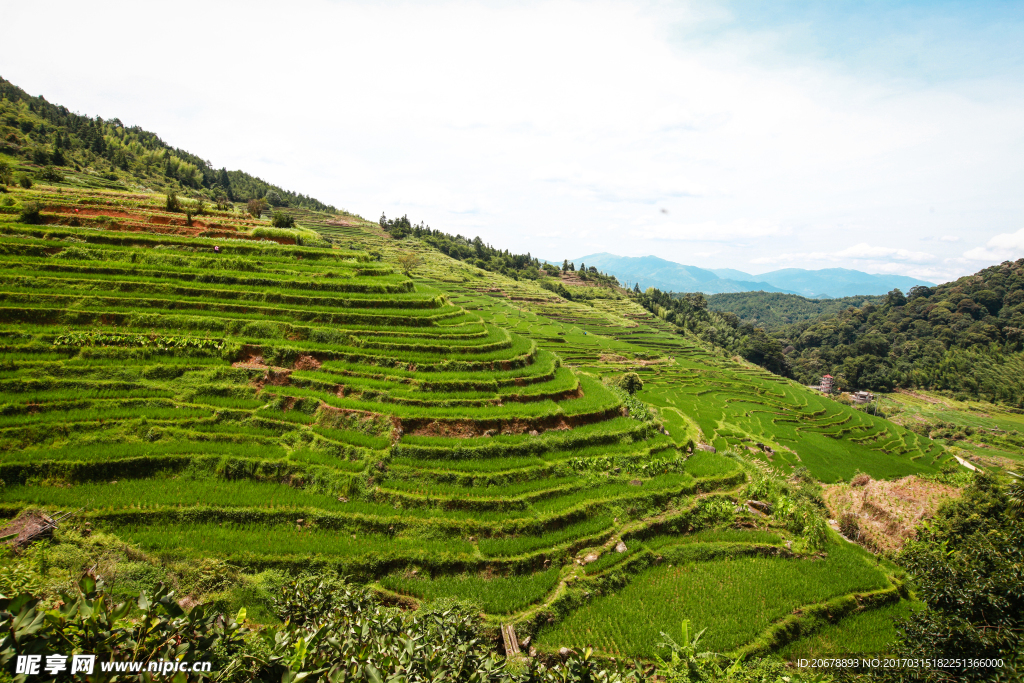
<point x="968" y="568"/>
<point x="332" y="632"/>
<point x="90" y="624"/>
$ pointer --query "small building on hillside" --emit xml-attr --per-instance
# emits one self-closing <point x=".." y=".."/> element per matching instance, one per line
<point x="862" y="397"/>
<point x="826" y="384"/>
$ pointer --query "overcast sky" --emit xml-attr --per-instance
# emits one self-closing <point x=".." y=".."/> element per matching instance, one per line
<point x="881" y="136"/>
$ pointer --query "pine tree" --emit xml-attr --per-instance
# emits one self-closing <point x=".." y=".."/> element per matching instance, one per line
<point x="225" y="182"/>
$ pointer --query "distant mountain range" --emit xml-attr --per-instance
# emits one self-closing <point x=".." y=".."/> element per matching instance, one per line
<point x="668" y="276"/>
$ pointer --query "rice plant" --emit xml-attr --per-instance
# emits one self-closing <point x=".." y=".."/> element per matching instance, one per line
<point x="519" y="545"/>
<point x="232" y="540"/>
<point x="736" y="599"/>
<point x="495" y="595"/>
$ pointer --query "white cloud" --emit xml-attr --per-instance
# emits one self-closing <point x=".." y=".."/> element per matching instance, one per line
<point x="949" y="238"/>
<point x="1012" y="241"/>
<point x="710" y="231"/>
<point x="866" y="251"/>
<point x="983" y="254"/>
<point x="873" y="259"/>
<point x="858" y="252"/>
<point x="1003" y="247"/>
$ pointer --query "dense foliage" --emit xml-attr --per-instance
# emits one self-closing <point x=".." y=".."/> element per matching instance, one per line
<point x="154" y="629"/>
<point x="968" y="567"/>
<point x="51" y="136"/>
<point x="964" y="336"/>
<point x="773" y="310"/>
<point x="332" y="631"/>
<point x="689" y="312"/>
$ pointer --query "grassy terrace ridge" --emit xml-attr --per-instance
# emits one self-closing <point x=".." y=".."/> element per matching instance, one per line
<point x="295" y="400"/>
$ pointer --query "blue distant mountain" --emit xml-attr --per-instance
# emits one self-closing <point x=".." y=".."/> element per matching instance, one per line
<point x="651" y="271"/>
<point x="829" y="283"/>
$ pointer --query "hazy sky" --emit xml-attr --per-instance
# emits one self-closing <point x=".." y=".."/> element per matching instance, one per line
<point x="882" y="136"/>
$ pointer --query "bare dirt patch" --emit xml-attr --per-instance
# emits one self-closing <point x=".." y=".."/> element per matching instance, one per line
<point x="573" y="280"/>
<point x="306" y="363"/>
<point x="885" y="514"/>
<point x="463" y="429"/>
<point x="277" y="377"/>
<point x="27" y="525"/>
<point x="251" y="363"/>
<point x="344" y="222"/>
<point x="653" y="361"/>
<point x="81" y="211"/>
<point x="273" y="375"/>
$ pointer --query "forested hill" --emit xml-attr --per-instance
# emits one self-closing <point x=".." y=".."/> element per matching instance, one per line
<point x="53" y="142"/>
<point x="772" y="311"/>
<point x="964" y="336"/>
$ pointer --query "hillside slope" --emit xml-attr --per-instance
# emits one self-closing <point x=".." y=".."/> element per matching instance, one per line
<point x="773" y="311"/>
<point x="965" y="336"/>
<point x="48" y="142"/>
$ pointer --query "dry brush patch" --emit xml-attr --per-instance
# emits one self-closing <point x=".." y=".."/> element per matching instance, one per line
<point x="883" y="515"/>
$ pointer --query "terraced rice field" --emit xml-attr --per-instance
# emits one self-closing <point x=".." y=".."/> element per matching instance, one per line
<point x="736" y="599"/>
<point x="708" y="398"/>
<point x="296" y="402"/>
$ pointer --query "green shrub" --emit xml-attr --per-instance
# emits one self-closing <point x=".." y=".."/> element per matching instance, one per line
<point x="172" y="203"/>
<point x="255" y="207"/>
<point x="283" y="220"/>
<point x="51" y="174"/>
<point x="631" y="383"/>
<point x="39" y="156"/>
<point x="25" y="181"/>
<point x="30" y="213"/>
